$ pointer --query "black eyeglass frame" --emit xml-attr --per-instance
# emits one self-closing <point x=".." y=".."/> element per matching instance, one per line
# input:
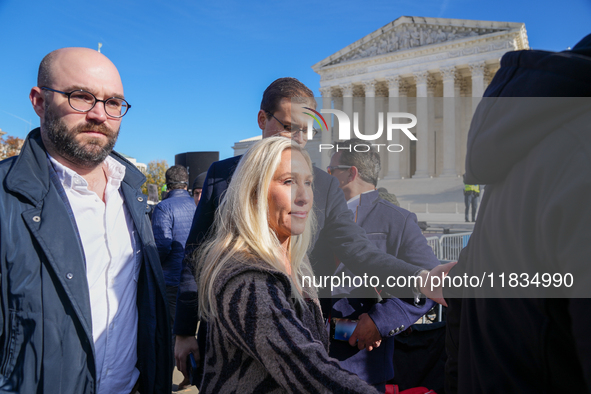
<point x="339" y="167"/>
<point x="68" y="94"/>
<point x="285" y="127"/>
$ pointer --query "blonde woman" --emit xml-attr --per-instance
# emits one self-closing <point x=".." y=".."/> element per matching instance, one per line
<point x="266" y="333"/>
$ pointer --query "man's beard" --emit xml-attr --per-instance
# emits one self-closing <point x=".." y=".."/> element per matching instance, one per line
<point x="89" y="154"/>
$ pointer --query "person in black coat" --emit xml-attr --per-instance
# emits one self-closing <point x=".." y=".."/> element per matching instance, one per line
<point x="336" y="234"/>
<point x="530" y="143"/>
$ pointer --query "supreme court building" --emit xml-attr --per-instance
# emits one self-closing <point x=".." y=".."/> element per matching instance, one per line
<point x="399" y="68"/>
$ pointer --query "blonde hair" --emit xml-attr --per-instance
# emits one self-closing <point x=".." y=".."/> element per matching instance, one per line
<point x="241" y="230"/>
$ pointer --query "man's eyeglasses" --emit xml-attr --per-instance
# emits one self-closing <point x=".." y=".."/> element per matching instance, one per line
<point x="329" y="169"/>
<point x="83" y="101"/>
<point x="289" y="129"/>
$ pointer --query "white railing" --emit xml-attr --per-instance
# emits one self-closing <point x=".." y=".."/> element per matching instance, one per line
<point x="435" y="245"/>
<point x="449" y="246"/>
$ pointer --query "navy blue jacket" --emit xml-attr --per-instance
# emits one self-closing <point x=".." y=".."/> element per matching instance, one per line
<point x="395" y="231"/>
<point x="337" y="234"/>
<point x="530" y="143"/>
<point x="171" y="222"/>
<point x="46" y="342"/>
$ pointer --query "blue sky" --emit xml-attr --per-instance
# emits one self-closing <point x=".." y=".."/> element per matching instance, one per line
<point x="195" y="71"/>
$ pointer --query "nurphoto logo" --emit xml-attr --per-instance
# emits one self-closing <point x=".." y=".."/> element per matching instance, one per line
<point x="345" y="128"/>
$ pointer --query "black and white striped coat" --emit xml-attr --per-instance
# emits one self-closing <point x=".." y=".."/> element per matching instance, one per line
<point x="263" y="342"/>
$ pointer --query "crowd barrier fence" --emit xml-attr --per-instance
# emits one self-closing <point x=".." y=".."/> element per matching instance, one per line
<point x="447" y="248"/>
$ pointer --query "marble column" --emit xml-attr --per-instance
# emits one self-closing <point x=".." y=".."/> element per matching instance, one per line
<point x="432" y="151"/>
<point x="348" y="100"/>
<point x="370" y="108"/>
<point x="477" y="70"/>
<point x="422" y="127"/>
<point x="449" y="121"/>
<point x="464" y="120"/>
<point x="405" y="142"/>
<point x="325" y="135"/>
<point x="394" y="105"/>
<point x="461" y="107"/>
<point x="337" y="102"/>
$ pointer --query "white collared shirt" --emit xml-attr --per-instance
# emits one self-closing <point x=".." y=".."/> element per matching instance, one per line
<point x="353" y="202"/>
<point x="112" y="264"/>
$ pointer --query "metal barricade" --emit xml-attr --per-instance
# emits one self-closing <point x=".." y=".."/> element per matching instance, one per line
<point x="435" y="245"/>
<point x="450" y="245"/>
<point x="447" y="248"/>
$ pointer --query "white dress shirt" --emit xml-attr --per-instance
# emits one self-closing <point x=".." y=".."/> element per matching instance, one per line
<point x="112" y="266"/>
<point x="353" y="203"/>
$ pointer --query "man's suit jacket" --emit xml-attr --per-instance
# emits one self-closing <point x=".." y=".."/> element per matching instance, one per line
<point x="336" y="234"/>
<point x="395" y="231"/>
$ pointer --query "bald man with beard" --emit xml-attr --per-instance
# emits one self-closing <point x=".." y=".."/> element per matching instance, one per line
<point x="83" y="303"/>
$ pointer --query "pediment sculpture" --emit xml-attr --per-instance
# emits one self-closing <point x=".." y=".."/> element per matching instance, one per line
<point x="410" y="36"/>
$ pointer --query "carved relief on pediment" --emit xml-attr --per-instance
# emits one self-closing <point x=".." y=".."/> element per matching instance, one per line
<point x="408" y="36"/>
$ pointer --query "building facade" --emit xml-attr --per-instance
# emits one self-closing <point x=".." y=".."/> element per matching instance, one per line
<point x="435" y="68"/>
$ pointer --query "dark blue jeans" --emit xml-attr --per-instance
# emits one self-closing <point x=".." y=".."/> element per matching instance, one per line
<point x="471" y="199"/>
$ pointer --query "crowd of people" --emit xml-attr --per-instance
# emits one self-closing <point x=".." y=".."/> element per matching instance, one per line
<point x="97" y="298"/>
